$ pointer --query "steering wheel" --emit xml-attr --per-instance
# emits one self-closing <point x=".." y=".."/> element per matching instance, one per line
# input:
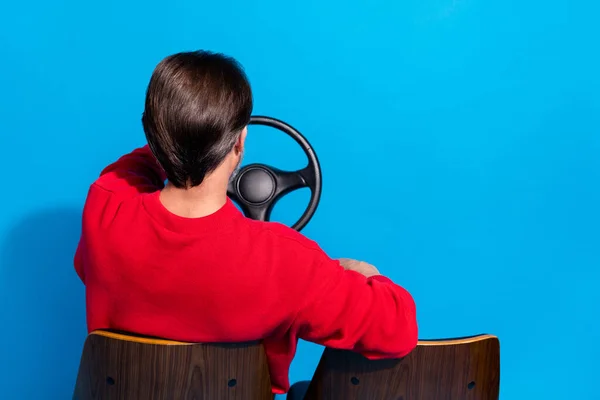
<point x="257" y="187"/>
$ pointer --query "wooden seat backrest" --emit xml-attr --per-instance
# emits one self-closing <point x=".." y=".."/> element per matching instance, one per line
<point x="457" y="369"/>
<point x="123" y="366"/>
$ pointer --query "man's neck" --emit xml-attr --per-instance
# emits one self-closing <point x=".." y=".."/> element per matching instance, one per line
<point x="198" y="201"/>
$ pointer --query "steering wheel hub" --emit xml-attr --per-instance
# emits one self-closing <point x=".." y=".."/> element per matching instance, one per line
<point x="256" y="185"/>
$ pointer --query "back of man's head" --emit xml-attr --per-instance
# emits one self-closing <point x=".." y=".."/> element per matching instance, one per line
<point x="197" y="105"/>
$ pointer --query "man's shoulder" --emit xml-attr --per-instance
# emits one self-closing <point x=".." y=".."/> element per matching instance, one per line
<point x="282" y="235"/>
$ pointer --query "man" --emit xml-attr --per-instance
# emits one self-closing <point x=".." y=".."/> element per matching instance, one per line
<point x="179" y="261"/>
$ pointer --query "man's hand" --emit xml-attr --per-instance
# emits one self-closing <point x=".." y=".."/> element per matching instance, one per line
<point x="359" y="266"/>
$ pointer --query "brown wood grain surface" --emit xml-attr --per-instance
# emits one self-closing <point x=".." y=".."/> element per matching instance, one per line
<point x="462" y="369"/>
<point x="121" y="367"/>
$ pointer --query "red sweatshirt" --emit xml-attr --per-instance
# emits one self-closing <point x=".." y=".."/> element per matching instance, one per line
<point x="225" y="278"/>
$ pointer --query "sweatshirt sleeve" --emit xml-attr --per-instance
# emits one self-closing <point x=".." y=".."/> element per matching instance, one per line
<point x="134" y="173"/>
<point x="78" y="261"/>
<point x="345" y="310"/>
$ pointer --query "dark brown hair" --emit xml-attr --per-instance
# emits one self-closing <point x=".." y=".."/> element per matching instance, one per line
<point x="197" y="104"/>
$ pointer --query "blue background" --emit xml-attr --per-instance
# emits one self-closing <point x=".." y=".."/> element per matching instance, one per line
<point x="459" y="141"/>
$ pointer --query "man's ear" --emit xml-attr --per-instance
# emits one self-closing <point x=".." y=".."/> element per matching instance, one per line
<point x="239" y="145"/>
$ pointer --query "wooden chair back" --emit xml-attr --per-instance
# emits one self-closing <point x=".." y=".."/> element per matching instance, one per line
<point x="457" y="369"/>
<point x="116" y="366"/>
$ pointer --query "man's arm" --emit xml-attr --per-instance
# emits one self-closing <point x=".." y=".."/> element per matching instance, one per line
<point x="134" y="173"/>
<point x="78" y="261"/>
<point x="346" y="310"/>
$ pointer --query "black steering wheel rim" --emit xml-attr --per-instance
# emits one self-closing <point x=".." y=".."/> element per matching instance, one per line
<point x="258" y="202"/>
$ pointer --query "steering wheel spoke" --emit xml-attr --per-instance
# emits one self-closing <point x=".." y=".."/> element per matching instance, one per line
<point x="257" y="212"/>
<point x="288" y="181"/>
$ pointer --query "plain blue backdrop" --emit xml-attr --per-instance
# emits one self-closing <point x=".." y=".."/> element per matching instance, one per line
<point x="459" y="141"/>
